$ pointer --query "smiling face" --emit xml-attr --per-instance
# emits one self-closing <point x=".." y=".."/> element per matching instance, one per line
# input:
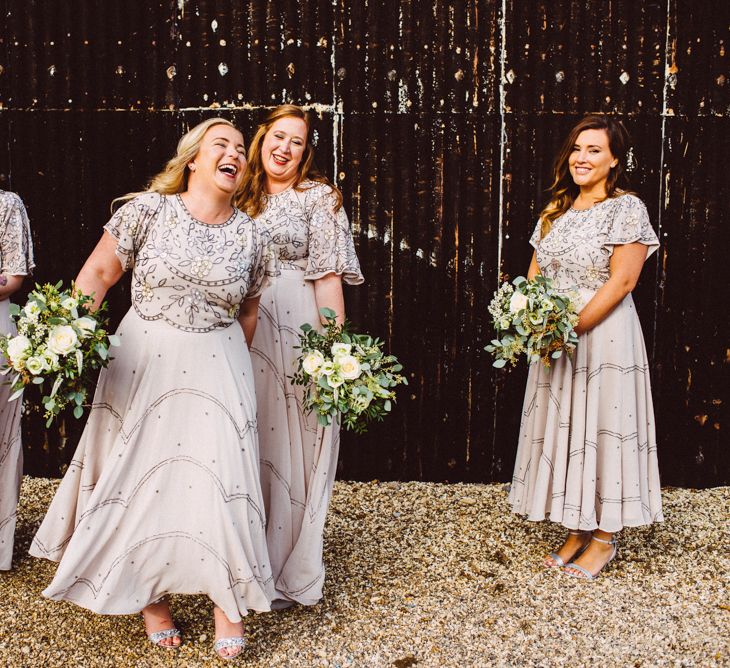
<point x="282" y="151"/>
<point x="591" y="160"/>
<point x="220" y="161"/>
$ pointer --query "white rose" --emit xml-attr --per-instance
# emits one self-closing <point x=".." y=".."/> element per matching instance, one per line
<point x="18" y="348"/>
<point x="517" y="302"/>
<point x="341" y="349"/>
<point x="349" y="367"/>
<point x="51" y="360"/>
<point x="62" y="339"/>
<point x="86" y="325"/>
<point x="35" y="365"/>
<point x="69" y="303"/>
<point x="312" y="362"/>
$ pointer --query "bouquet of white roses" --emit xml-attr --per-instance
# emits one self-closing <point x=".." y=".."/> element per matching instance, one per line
<point x="346" y="374"/>
<point x="60" y="339"/>
<point x="531" y="317"/>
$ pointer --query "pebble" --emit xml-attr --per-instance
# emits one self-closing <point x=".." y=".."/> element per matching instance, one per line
<point x="426" y="575"/>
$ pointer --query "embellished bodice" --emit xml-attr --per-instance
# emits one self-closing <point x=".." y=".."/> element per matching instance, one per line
<point x="576" y="252"/>
<point x="191" y="274"/>
<point x="16" y="245"/>
<point x="308" y="234"/>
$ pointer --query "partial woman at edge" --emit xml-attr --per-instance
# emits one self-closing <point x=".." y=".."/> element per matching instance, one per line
<point x="16" y="262"/>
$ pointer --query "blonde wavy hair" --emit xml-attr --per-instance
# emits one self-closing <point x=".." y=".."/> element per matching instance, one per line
<point x="251" y="197"/>
<point x="563" y="190"/>
<point x="173" y="178"/>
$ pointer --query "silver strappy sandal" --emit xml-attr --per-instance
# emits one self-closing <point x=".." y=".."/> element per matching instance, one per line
<point x="559" y="563"/>
<point x="157" y="638"/>
<point x="223" y="643"/>
<point x="585" y="573"/>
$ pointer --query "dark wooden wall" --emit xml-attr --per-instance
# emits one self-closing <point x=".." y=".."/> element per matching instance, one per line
<point x="439" y="121"/>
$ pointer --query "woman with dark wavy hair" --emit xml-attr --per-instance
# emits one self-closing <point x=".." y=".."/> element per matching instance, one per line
<point x="302" y="213"/>
<point x="587" y="454"/>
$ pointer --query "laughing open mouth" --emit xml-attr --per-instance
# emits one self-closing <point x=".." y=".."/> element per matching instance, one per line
<point x="230" y="170"/>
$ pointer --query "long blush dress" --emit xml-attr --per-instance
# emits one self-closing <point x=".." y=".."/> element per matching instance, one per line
<point x="587" y="452"/>
<point x="16" y="259"/>
<point x="298" y="456"/>
<point x="163" y="494"/>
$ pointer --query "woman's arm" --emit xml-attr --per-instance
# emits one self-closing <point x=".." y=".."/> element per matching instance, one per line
<point x="534" y="270"/>
<point x="328" y="294"/>
<point x="625" y="267"/>
<point x="9" y="283"/>
<point x="248" y="317"/>
<point x="101" y="270"/>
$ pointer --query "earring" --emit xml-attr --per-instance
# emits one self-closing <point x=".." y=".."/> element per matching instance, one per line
<point x="191" y="166"/>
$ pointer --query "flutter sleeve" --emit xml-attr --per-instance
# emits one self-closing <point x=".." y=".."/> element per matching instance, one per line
<point x="265" y="266"/>
<point x="630" y="224"/>
<point x="331" y="248"/>
<point x="130" y="224"/>
<point x="536" y="235"/>
<point x="16" y="245"/>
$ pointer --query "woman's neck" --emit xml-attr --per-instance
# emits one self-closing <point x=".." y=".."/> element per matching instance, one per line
<point x="274" y="187"/>
<point x="589" y="196"/>
<point x="206" y="207"/>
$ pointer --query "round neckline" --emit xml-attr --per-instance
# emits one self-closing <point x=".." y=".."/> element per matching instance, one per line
<point x="281" y="192"/>
<point x="590" y="208"/>
<point x="230" y="219"/>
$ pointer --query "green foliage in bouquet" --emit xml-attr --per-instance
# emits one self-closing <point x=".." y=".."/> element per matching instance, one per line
<point x="346" y="374"/>
<point x="60" y="339"/>
<point x="532" y="318"/>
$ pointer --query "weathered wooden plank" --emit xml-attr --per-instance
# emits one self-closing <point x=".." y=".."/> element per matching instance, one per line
<point x="86" y="55"/>
<point x="692" y="356"/>
<point x="409" y="57"/>
<point x="253" y="53"/>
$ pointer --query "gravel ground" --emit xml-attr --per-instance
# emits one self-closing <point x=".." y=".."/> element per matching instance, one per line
<point x="424" y="574"/>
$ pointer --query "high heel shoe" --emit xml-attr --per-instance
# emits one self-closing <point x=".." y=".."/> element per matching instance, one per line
<point x="585" y="574"/>
<point x="223" y="643"/>
<point x="157" y="637"/>
<point x="559" y="563"/>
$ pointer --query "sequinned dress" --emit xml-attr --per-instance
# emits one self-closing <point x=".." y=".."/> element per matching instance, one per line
<point x="163" y="492"/>
<point x="16" y="259"/>
<point x="298" y="456"/>
<point x="587" y="452"/>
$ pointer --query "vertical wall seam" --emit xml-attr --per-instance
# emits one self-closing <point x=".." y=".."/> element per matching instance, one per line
<point x="663" y="186"/>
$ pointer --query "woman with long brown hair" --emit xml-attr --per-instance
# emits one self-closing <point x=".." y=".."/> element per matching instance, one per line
<point x="302" y="212"/>
<point x="587" y="454"/>
<point x="162" y="495"/>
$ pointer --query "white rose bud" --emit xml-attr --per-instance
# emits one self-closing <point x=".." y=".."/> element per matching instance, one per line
<point x="35" y="365"/>
<point x="69" y="303"/>
<point x="312" y="362"/>
<point x="349" y="367"/>
<point x="62" y="339"/>
<point x="32" y="311"/>
<point x="517" y="302"/>
<point x="86" y="325"/>
<point x="341" y="349"/>
<point x="51" y="360"/>
<point x="18" y="348"/>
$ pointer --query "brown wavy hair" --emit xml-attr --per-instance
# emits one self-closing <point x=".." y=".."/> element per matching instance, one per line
<point x="563" y="190"/>
<point x="253" y="189"/>
<point x="173" y="178"/>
